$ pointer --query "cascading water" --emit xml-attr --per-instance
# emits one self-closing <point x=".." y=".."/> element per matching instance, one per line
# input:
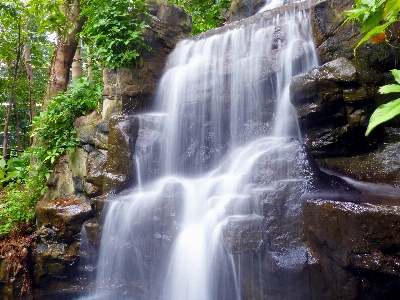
<point x="222" y="106"/>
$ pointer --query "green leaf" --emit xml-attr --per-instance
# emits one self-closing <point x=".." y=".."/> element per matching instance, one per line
<point x="2" y="163"/>
<point x="383" y="113"/>
<point x="396" y="74"/>
<point x="372" y="21"/>
<point x="373" y="32"/>
<point x="389" y="88"/>
<point x="369" y="3"/>
<point x="390" y="7"/>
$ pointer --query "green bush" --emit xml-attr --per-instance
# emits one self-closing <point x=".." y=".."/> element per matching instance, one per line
<point x="55" y="134"/>
<point x="205" y="15"/>
<point x="53" y="128"/>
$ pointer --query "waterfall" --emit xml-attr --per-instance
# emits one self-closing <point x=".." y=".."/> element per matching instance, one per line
<point x="222" y="108"/>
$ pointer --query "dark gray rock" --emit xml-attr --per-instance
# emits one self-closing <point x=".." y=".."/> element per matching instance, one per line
<point x="56" y="254"/>
<point x="380" y="166"/>
<point x="333" y="109"/>
<point x="357" y="247"/>
<point x="241" y="9"/>
<point x="333" y="40"/>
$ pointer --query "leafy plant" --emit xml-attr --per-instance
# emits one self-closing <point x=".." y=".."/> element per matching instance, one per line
<point x="54" y="129"/>
<point x="114" y="30"/>
<point x="375" y="16"/>
<point x="389" y="110"/>
<point x="14" y="170"/>
<point x="55" y="134"/>
<point x="205" y="15"/>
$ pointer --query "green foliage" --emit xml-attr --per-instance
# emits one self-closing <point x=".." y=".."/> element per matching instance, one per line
<point x="389" y="110"/>
<point x="14" y="170"/>
<point x="17" y="201"/>
<point x="205" y="15"/>
<point x="113" y="30"/>
<point x="54" y="129"/>
<point x="55" y="134"/>
<point x="375" y="16"/>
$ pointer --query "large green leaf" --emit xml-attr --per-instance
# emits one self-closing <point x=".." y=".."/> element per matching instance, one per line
<point x="373" y="32"/>
<point x="396" y="74"/>
<point x="372" y="21"/>
<point x="390" y="7"/>
<point x="389" y="88"/>
<point x="383" y="113"/>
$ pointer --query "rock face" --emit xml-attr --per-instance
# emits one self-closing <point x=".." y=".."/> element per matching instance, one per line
<point x="241" y="9"/>
<point x="333" y="40"/>
<point x="121" y="142"/>
<point x="381" y="166"/>
<point x="267" y="237"/>
<point x="56" y="255"/>
<point x="356" y="246"/>
<point x="333" y="109"/>
<point x="285" y="247"/>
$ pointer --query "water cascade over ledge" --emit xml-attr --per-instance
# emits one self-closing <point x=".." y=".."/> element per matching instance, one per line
<point x="213" y="159"/>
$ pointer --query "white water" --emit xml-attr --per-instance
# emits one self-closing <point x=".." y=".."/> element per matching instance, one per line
<point x="271" y="4"/>
<point x="222" y="104"/>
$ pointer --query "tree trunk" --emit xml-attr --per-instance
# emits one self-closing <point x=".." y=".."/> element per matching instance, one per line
<point x="11" y="99"/>
<point x="77" y="71"/>
<point x="29" y="72"/>
<point x="17" y="129"/>
<point x="64" y="53"/>
<point x="90" y="69"/>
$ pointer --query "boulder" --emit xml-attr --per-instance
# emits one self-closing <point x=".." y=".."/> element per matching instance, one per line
<point x="68" y="176"/>
<point x="334" y="40"/>
<point x="120" y="168"/>
<point x="333" y="109"/>
<point x="357" y="247"/>
<point x="381" y="166"/>
<point x="56" y="254"/>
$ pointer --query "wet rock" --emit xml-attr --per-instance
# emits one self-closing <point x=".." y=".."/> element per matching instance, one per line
<point x="244" y="8"/>
<point x="243" y="234"/>
<point x="380" y="166"/>
<point x="121" y="141"/>
<point x="55" y="265"/>
<point x="334" y="40"/>
<point x="239" y="205"/>
<point x="333" y="109"/>
<point x="357" y="246"/>
<point x="93" y="231"/>
<point x="60" y="218"/>
<point x="96" y="166"/>
<point x="56" y="254"/>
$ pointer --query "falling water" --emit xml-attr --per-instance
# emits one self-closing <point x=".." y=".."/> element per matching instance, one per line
<point x="222" y="105"/>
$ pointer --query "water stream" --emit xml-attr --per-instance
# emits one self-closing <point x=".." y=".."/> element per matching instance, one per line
<point x="222" y="104"/>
